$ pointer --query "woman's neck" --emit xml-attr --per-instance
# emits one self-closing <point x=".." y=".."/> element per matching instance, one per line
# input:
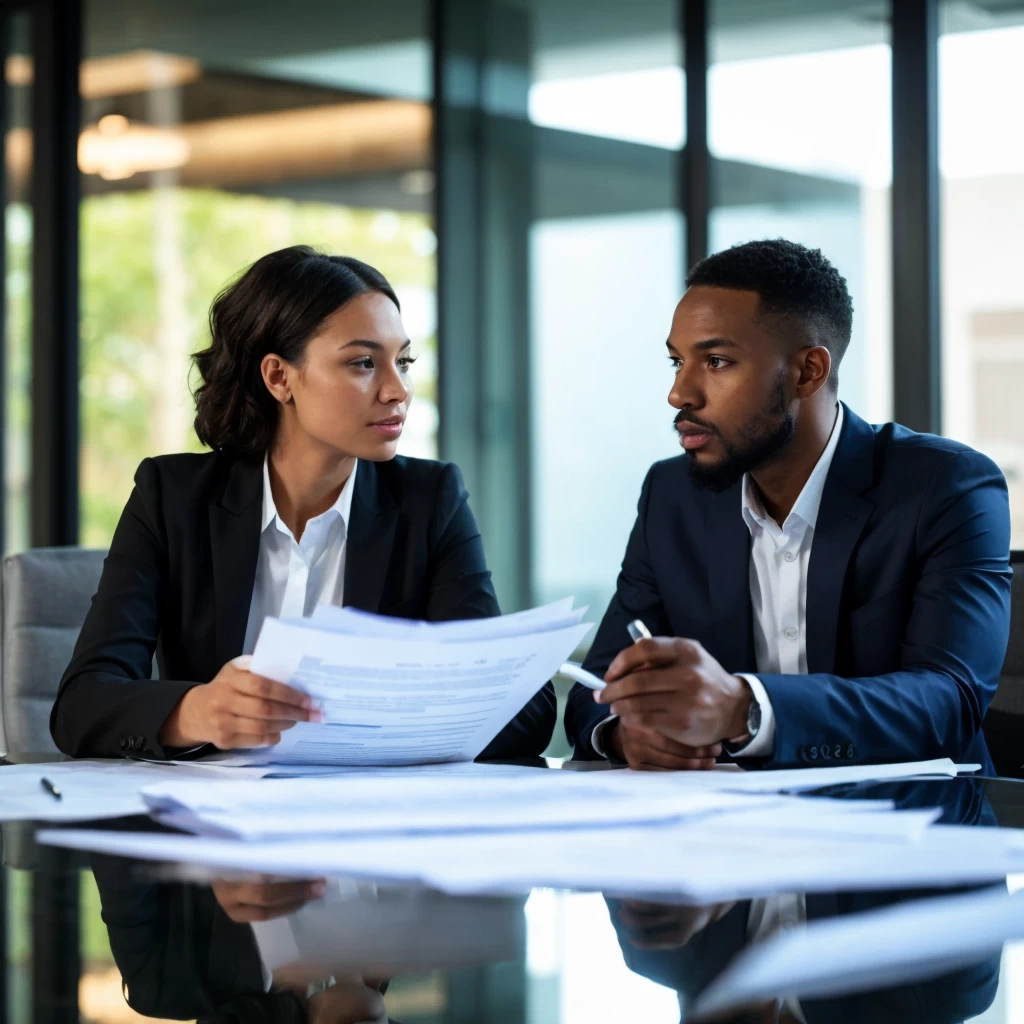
<point x="305" y="481"/>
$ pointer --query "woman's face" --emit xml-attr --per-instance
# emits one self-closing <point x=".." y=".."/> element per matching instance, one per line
<point x="352" y="390"/>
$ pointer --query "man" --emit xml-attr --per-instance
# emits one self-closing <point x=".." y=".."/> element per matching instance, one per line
<point x="820" y="590"/>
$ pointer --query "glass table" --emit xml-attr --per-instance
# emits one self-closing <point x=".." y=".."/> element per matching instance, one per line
<point x="98" y="938"/>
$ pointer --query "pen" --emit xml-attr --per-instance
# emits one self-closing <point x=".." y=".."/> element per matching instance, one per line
<point x="51" y="789"/>
<point x="581" y="675"/>
<point x="637" y="631"/>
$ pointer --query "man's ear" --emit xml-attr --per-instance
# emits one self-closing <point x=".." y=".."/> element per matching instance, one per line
<point x="815" y="369"/>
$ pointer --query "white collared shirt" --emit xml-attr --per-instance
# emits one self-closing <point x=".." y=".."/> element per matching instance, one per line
<point x="293" y="577"/>
<point x="779" y="559"/>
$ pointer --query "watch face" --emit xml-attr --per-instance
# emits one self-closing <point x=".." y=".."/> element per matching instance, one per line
<point x="753" y="718"/>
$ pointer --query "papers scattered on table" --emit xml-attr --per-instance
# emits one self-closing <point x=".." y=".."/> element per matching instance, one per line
<point x="694" y="862"/>
<point x="477" y="801"/>
<point x="94" y="789"/>
<point x="797" y="780"/>
<point x="911" y="941"/>
<point x="629" y="834"/>
<point x="91" y="789"/>
<point x="400" y="692"/>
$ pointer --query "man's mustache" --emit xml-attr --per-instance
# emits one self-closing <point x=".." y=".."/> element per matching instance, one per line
<point x="686" y="417"/>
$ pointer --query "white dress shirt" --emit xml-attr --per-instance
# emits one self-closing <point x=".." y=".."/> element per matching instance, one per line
<point x="293" y="577"/>
<point x="779" y="560"/>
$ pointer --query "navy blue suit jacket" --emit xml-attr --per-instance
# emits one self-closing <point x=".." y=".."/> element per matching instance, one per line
<point x="908" y="599"/>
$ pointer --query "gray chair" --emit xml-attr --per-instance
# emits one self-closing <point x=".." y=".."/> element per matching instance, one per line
<point x="1004" y="723"/>
<point x="46" y="594"/>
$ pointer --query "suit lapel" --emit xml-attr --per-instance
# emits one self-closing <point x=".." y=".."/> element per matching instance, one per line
<point x="235" y="522"/>
<point x="729" y="580"/>
<point x="370" y="539"/>
<point x="842" y="516"/>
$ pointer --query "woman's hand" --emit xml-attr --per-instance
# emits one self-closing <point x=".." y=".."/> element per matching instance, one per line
<point x="264" y="898"/>
<point x="237" y="709"/>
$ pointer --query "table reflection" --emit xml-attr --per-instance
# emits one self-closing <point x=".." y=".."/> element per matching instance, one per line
<point x="686" y="947"/>
<point x="268" y="949"/>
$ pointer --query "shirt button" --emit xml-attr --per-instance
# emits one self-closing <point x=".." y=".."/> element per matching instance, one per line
<point x="790" y="556"/>
<point x="791" y="633"/>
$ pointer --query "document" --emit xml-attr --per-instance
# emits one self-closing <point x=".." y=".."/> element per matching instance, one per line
<point x="352" y="622"/>
<point x="112" y="788"/>
<point x="381" y="804"/>
<point x="690" y="862"/>
<point x="404" y="701"/>
<point x="795" y="780"/>
<point x="702" y="857"/>
<point x="92" y="789"/>
<point x="911" y="941"/>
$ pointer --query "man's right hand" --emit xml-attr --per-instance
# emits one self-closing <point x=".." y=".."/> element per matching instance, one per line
<point x="649" y="751"/>
<point x="237" y="709"/>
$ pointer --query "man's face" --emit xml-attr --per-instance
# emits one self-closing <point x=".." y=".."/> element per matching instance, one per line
<point x="733" y="385"/>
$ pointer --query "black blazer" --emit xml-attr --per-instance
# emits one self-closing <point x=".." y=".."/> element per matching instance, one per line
<point x="179" y="577"/>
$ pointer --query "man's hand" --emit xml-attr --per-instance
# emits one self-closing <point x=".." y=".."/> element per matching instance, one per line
<point x="674" y="688"/>
<point x="350" y="1000"/>
<point x="264" y="899"/>
<point x="646" y="750"/>
<point x="236" y="709"/>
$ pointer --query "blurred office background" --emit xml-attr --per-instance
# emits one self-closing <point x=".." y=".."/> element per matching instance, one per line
<point x="535" y="177"/>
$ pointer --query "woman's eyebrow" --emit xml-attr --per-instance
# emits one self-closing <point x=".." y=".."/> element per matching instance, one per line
<point x="375" y="345"/>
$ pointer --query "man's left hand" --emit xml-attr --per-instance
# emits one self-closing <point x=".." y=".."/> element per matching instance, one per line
<point x="673" y="686"/>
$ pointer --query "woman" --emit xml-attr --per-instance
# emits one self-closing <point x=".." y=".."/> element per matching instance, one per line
<point x="304" y="393"/>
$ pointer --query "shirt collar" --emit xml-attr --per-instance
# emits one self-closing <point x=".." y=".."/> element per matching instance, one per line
<point x="342" y="505"/>
<point x="805" y="508"/>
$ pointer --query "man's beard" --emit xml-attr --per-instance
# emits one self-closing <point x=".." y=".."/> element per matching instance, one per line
<point x="764" y="438"/>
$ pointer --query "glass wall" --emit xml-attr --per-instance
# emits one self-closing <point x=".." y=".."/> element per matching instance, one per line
<point x="17" y="262"/>
<point x="799" y="128"/>
<point x="213" y="134"/>
<point x="981" y="153"/>
<point x="606" y="271"/>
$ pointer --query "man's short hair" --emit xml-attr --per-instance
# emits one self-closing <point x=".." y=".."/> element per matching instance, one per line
<point x="792" y="283"/>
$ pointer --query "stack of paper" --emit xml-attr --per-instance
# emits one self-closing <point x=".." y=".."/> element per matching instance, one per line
<point x="379" y="804"/>
<point x="695" y="861"/>
<point x="112" y="788"/>
<point x="473" y="831"/>
<point x="91" y="789"/>
<point x="395" y="691"/>
<point x="706" y="860"/>
<point x="800" y="780"/>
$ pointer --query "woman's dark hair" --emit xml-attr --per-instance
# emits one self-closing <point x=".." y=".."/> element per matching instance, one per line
<point x="277" y="305"/>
